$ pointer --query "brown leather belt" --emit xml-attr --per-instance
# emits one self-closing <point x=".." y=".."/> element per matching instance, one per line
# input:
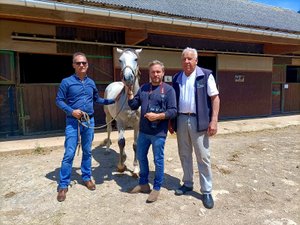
<point x="188" y="114"/>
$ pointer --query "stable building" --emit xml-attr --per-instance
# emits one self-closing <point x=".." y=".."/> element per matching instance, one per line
<point x="252" y="49"/>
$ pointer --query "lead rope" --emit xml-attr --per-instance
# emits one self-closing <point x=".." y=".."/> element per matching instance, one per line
<point x="84" y="118"/>
<point x="79" y="140"/>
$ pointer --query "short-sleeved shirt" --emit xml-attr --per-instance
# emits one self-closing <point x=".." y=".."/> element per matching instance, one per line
<point x="187" y="102"/>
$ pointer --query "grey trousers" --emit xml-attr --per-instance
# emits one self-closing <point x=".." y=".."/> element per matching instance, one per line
<point x="188" y="139"/>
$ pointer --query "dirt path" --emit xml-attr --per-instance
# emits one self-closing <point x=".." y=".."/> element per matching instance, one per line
<point x="256" y="181"/>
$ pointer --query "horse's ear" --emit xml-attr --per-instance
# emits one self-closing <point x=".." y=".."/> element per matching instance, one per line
<point x="138" y="51"/>
<point x="119" y="50"/>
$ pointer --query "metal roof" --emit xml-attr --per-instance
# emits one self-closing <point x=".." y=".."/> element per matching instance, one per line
<point x="233" y="12"/>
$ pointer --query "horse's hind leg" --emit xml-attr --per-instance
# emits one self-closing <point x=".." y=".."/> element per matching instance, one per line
<point x="122" y="157"/>
<point x="136" y="168"/>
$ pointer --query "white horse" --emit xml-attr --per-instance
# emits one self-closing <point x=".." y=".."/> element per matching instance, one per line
<point x="120" y="111"/>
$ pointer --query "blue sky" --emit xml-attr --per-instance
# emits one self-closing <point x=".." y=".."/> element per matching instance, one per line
<point x="287" y="4"/>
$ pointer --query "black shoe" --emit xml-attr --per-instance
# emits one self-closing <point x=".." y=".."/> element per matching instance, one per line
<point x="208" y="201"/>
<point x="182" y="190"/>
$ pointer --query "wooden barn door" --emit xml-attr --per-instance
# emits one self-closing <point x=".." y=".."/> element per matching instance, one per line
<point x="9" y="124"/>
<point x="277" y="85"/>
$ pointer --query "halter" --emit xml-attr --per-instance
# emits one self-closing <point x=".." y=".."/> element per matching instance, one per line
<point x="135" y="72"/>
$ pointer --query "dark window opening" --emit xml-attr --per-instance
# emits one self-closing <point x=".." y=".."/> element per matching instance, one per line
<point x="7" y="66"/>
<point x="90" y="34"/>
<point x="293" y="74"/>
<point x="41" y="68"/>
<point x="208" y="62"/>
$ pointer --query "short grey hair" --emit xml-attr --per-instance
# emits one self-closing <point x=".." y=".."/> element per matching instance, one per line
<point x="156" y="62"/>
<point x="193" y="50"/>
<point x="77" y="54"/>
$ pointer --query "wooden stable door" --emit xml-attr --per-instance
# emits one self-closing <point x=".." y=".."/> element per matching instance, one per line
<point x="276" y="98"/>
<point x="278" y="79"/>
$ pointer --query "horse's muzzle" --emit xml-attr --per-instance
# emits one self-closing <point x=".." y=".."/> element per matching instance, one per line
<point x="128" y="79"/>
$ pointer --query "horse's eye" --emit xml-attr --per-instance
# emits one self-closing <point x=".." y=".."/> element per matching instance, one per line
<point x="135" y="59"/>
<point x="120" y="60"/>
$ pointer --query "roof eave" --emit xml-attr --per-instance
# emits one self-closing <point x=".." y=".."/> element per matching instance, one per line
<point x="165" y="19"/>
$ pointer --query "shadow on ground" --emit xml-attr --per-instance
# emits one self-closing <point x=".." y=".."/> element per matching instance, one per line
<point x="106" y="171"/>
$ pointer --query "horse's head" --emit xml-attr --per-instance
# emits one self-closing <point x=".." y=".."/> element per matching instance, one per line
<point x="129" y="65"/>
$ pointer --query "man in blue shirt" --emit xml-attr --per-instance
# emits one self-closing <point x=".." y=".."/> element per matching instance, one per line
<point x="76" y="95"/>
<point x="158" y="104"/>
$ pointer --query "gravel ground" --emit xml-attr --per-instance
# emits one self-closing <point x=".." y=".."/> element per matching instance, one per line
<point x="256" y="181"/>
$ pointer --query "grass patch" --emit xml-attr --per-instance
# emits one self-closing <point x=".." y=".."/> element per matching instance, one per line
<point x="38" y="150"/>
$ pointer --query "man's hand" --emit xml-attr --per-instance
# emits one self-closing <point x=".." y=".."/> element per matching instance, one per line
<point x="170" y="128"/>
<point x="151" y="116"/>
<point x="212" y="128"/>
<point x="130" y="92"/>
<point x="77" y="113"/>
<point x="130" y="88"/>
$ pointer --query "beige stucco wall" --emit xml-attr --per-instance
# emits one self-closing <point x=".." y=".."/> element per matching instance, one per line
<point x="244" y="63"/>
<point x="8" y="27"/>
<point x="296" y="62"/>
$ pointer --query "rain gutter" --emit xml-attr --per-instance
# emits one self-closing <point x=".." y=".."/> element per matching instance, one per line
<point x="89" y="10"/>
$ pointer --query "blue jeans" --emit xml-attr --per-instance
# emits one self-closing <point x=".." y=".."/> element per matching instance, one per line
<point x="71" y="141"/>
<point x="158" y="144"/>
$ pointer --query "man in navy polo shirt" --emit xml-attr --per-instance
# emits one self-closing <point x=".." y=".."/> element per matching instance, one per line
<point x="158" y="105"/>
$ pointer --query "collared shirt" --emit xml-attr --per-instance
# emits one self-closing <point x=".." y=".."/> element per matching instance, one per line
<point x="74" y="94"/>
<point x="187" y="102"/>
<point x="152" y="96"/>
<point x="187" y="94"/>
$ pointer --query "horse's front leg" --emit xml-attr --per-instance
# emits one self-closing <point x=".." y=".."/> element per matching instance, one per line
<point x="108" y="119"/>
<point x="136" y="168"/>
<point x="122" y="156"/>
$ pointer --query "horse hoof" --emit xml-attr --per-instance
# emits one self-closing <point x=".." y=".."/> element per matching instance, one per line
<point x="135" y="172"/>
<point x="121" y="169"/>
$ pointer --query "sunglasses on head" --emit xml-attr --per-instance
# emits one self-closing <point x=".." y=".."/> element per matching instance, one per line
<point x="79" y="63"/>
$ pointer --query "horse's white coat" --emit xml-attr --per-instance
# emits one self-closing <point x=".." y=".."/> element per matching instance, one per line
<point x="120" y="111"/>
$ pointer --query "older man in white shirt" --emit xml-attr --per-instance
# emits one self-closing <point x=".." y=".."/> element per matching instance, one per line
<point x="198" y="108"/>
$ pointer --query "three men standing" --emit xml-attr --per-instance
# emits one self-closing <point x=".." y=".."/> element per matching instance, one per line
<point x="197" y="112"/>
